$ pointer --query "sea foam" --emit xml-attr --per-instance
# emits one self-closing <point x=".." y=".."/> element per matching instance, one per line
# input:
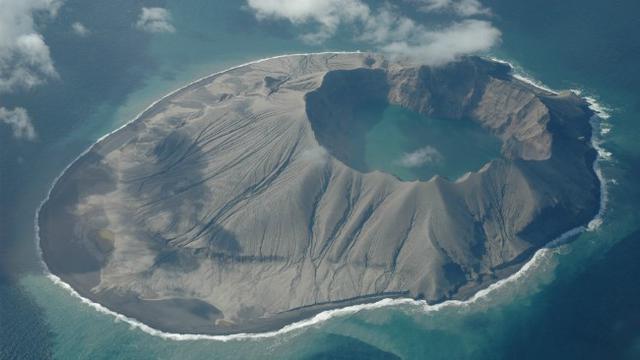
<point x="601" y="115"/>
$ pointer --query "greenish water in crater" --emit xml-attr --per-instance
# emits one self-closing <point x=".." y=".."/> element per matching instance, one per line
<point x="411" y="146"/>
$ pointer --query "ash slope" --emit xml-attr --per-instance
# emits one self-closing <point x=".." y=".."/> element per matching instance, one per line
<point x="228" y="206"/>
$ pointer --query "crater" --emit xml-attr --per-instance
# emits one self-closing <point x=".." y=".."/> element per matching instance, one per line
<point x="354" y="121"/>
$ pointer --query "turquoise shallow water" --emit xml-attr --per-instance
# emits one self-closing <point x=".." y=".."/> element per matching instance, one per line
<point x="579" y="302"/>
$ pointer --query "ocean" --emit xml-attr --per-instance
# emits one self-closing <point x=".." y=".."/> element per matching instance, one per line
<point x="576" y="300"/>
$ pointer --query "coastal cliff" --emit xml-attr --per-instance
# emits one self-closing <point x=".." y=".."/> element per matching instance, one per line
<point x="232" y="206"/>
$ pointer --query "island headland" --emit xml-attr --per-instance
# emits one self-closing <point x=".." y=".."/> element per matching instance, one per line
<point x="232" y="205"/>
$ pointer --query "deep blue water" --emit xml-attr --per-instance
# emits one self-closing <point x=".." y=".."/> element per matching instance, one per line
<point x="581" y="302"/>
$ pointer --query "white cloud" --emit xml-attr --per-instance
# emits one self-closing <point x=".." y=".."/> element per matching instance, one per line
<point x="460" y="7"/>
<point x="155" y="20"/>
<point x="19" y="122"/>
<point x="79" y="29"/>
<point x="420" y="157"/>
<point x="327" y="14"/>
<point x="387" y="25"/>
<point x="25" y="60"/>
<point x="444" y="45"/>
<point x="386" y="29"/>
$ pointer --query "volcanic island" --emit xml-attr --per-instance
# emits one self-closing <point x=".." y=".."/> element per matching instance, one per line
<point x="239" y="203"/>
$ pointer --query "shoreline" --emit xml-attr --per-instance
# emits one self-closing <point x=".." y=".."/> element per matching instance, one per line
<point x="530" y="264"/>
